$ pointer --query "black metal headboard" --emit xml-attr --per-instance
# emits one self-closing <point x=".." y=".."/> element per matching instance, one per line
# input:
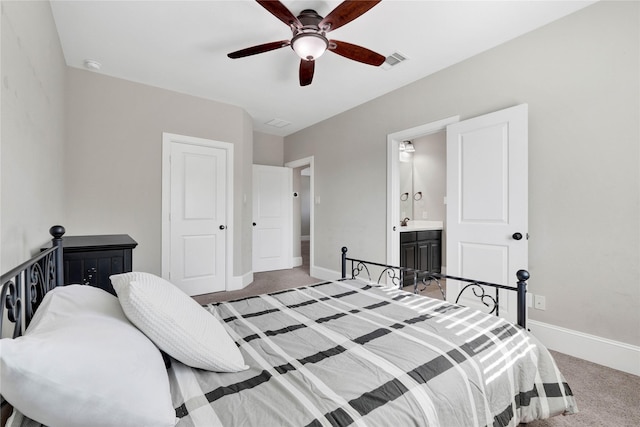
<point x="397" y="275"/>
<point x="24" y="286"/>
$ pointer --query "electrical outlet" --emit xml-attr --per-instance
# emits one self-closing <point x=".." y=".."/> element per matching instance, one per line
<point x="540" y="302"/>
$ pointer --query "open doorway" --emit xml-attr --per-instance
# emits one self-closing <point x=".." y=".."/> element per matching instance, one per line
<point x="394" y="208"/>
<point x="423" y="190"/>
<point x="487" y="199"/>
<point x="303" y="213"/>
<point x="301" y="217"/>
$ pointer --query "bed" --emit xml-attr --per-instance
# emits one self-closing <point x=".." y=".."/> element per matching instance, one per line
<point x="353" y="351"/>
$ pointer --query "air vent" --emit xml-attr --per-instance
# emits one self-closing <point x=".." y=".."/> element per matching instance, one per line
<point x="393" y="60"/>
<point x="278" y="123"/>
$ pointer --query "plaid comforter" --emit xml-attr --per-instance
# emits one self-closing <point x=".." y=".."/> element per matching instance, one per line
<point x="351" y="353"/>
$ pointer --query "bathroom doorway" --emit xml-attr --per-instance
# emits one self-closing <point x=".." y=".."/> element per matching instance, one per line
<point x="487" y="197"/>
<point x="394" y="194"/>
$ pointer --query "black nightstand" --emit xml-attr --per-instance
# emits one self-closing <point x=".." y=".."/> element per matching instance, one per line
<point x="90" y="260"/>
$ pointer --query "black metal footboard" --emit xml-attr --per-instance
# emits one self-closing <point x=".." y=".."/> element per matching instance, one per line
<point x="397" y="277"/>
<point x="24" y="287"/>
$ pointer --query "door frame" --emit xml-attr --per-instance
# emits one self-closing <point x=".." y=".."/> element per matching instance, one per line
<point x="308" y="161"/>
<point x="393" y="179"/>
<point x="167" y="140"/>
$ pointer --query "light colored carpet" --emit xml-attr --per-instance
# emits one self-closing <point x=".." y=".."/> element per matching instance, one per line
<point x="268" y="281"/>
<point x="606" y="397"/>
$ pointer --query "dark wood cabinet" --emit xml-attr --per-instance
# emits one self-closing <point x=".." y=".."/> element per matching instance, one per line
<point x="90" y="260"/>
<point x="421" y="250"/>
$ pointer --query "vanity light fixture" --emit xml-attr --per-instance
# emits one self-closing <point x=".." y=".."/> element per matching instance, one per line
<point x="408" y="147"/>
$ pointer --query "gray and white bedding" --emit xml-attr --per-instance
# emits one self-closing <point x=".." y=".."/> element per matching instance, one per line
<point x="352" y="353"/>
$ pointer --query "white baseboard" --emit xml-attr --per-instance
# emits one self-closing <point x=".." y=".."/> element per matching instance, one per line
<point x="324" y="273"/>
<point x="297" y="261"/>
<point x="240" y="282"/>
<point x="603" y="351"/>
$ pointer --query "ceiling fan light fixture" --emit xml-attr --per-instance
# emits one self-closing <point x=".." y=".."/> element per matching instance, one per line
<point x="309" y="39"/>
<point x="309" y="46"/>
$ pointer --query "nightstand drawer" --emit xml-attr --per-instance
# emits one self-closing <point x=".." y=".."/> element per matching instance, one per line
<point x="90" y="260"/>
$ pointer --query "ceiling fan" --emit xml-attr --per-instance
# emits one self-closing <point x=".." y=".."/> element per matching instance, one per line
<point x="309" y="39"/>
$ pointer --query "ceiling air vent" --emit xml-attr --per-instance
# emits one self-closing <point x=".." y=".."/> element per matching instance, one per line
<point x="278" y="123"/>
<point x="394" y="59"/>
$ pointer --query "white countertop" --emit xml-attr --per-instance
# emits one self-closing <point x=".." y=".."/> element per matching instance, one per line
<point x="418" y="225"/>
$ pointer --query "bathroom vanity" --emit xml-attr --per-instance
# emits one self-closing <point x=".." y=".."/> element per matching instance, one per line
<point x="421" y="247"/>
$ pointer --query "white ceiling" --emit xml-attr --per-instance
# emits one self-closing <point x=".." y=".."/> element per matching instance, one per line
<point x="182" y="46"/>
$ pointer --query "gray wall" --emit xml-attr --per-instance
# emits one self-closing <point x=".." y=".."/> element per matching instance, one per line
<point x="84" y="150"/>
<point x="114" y="159"/>
<point x="268" y="149"/>
<point x="32" y="136"/>
<point x="579" y="76"/>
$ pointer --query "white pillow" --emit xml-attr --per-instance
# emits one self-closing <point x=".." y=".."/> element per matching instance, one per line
<point x="82" y="363"/>
<point x="176" y="323"/>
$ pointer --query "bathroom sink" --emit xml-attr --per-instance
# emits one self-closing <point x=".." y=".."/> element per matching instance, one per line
<point x="417" y="225"/>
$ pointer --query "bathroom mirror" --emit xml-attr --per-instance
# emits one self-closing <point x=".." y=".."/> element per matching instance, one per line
<point x="406" y="189"/>
<point x="423" y="179"/>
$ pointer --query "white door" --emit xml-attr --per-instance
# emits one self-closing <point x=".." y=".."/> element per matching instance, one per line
<point x="487" y="202"/>
<point x="197" y="218"/>
<point x="272" y="218"/>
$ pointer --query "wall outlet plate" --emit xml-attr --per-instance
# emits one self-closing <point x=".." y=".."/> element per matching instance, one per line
<point x="540" y="302"/>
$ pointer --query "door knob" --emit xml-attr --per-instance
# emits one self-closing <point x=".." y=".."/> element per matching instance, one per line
<point x="222" y="227"/>
<point x="254" y="224"/>
<point x="517" y="236"/>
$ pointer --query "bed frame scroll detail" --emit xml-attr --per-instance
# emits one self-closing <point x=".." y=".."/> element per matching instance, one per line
<point x="24" y="287"/>
<point x="396" y="275"/>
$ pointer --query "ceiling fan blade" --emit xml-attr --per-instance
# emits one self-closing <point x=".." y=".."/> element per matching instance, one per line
<point x="306" y="72"/>
<point x="281" y="12"/>
<point x="356" y="53"/>
<point x="346" y="12"/>
<point x="253" y="50"/>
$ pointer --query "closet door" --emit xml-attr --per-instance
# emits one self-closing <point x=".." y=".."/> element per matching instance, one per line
<point x="198" y="223"/>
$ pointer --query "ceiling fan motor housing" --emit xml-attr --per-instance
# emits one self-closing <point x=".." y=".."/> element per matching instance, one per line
<point x="310" y="18"/>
